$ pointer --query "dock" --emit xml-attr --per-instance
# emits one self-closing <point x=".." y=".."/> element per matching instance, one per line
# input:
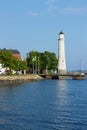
<point x="78" y="76"/>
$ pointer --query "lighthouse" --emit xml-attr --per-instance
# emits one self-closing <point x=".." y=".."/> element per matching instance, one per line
<point x="61" y="54"/>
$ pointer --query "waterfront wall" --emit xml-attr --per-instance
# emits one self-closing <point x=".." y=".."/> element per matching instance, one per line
<point x="19" y="78"/>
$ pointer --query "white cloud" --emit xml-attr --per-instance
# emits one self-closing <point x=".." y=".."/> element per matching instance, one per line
<point x="52" y="8"/>
<point x="33" y="14"/>
<point x="51" y="1"/>
<point x="54" y="5"/>
<point x="51" y="5"/>
<point x="75" y="11"/>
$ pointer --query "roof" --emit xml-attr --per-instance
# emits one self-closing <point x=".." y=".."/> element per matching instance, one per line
<point x="13" y="51"/>
<point x="61" y="32"/>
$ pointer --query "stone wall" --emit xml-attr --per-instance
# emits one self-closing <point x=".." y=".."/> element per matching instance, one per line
<point x="19" y="78"/>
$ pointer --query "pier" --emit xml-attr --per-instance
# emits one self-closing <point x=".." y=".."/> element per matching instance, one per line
<point x="79" y="76"/>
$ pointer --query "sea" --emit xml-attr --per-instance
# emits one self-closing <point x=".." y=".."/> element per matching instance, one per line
<point x="44" y="105"/>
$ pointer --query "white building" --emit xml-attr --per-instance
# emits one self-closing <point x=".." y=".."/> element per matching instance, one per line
<point x="2" y="70"/>
<point x="61" y="54"/>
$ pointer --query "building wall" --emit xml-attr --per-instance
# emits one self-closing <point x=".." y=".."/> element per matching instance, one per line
<point x="17" y="56"/>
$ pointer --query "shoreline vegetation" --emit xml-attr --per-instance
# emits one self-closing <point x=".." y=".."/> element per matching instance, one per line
<point x="19" y="78"/>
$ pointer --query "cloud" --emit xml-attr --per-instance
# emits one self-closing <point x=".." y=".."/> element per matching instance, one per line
<point x="55" y="5"/>
<point x="51" y="5"/>
<point x="75" y="11"/>
<point x="50" y="1"/>
<point x="52" y="8"/>
<point x="33" y="14"/>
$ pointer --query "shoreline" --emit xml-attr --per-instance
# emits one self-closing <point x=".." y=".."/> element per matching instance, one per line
<point x="19" y="78"/>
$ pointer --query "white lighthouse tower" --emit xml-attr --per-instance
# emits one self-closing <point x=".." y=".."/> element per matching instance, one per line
<point x="61" y="54"/>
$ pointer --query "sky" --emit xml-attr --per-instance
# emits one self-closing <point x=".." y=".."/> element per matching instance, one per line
<point x="28" y="25"/>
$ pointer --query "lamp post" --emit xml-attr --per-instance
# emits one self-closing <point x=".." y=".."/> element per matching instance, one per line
<point x="34" y="64"/>
<point x="38" y="65"/>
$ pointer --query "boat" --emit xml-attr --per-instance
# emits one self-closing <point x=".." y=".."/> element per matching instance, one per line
<point x="80" y="76"/>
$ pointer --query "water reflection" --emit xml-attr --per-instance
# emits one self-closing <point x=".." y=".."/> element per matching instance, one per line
<point x="62" y="93"/>
<point x="61" y="104"/>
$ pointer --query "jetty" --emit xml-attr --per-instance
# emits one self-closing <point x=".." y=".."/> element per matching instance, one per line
<point x="78" y="76"/>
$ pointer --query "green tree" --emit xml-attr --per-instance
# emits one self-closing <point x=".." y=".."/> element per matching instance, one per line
<point x="46" y="60"/>
<point x="22" y="65"/>
<point x="8" y="61"/>
<point x="32" y="60"/>
<point x="52" y="60"/>
<point x="43" y="61"/>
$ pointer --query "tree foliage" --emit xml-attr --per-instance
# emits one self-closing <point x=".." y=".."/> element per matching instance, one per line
<point x="8" y="61"/>
<point x="46" y="60"/>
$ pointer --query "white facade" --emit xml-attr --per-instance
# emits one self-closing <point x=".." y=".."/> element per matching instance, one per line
<point x="61" y="54"/>
<point x="2" y="70"/>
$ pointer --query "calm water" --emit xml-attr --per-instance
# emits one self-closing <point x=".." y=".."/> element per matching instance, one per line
<point x="44" y="105"/>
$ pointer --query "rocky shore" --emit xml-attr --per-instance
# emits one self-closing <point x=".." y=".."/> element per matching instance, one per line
<point x="19" y="78"/>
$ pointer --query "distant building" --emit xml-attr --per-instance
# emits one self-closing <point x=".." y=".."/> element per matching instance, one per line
<point x="15" y="53"/>
<point x="2" y="70"/>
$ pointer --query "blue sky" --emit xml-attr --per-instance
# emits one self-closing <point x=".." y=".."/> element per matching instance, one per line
<point x="29" y="25"/>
